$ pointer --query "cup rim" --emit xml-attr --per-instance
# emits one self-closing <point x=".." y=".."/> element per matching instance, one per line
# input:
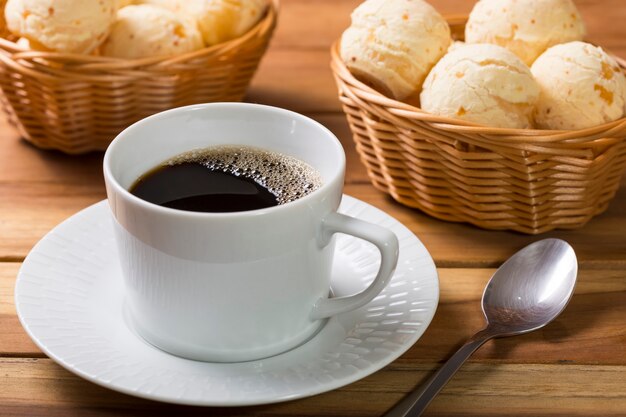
<point x="122" y="191"/>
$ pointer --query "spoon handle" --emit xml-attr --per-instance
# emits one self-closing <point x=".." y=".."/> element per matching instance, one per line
<point x="414" y="404"/>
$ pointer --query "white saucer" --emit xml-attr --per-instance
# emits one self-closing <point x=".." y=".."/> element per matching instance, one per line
<point x="69" y="298"/>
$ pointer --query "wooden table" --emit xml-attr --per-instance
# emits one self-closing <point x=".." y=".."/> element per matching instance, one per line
<point x="575" y="366"/>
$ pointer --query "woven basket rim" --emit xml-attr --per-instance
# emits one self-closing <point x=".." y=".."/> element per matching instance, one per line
<point x="406" y="110"/>
<point x="94" y="62"/>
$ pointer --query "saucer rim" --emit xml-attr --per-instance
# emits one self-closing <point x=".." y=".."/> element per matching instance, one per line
<point x="312" y="391"/>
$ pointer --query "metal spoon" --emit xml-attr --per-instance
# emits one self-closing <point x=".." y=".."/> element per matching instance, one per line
<point x="527" y="292"/>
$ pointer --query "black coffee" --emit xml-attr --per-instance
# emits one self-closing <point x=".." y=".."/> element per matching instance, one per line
<point x="227" y="179"/>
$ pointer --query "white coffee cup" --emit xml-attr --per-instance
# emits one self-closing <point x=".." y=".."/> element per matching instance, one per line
<point x="238" y="286"/>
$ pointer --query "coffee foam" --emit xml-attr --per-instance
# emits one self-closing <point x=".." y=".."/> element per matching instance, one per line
<point x="284" y="176"/>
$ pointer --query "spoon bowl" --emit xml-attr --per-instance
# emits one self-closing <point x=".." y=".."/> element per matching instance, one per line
<point x="527" y="292"/>
<point x="531" y="288"/>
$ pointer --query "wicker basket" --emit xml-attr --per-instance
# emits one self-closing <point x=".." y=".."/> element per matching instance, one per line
<point x="530" y="181"/>
<point x="79" y="103"/>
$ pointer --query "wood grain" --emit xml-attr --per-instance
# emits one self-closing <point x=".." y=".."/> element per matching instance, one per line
<point x="592" y="323"/>
<point x="576" y="366"/>
<point x="31" y="209"/>
<point x="14" y="340"/>
<point x="306" y="84"/>
<point x="40" y="387"/>
<point x="599" y="244"/>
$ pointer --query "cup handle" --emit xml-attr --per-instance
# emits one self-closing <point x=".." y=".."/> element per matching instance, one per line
<point x="386" y="242"/>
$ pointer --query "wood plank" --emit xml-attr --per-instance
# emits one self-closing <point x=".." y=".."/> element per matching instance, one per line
<point x="24" y="163"/>
<point x="590" y="331"/>
<point x="599" y="244"/>
<point x="305" y="83"/>
<point x="34" y="387"/>
<point x="29" y="210"/>
<point x="14" y="340"/>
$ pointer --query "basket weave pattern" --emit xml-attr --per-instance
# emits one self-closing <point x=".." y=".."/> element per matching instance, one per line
<point x="79" y="103"/>
<point x="530" y="181"/>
